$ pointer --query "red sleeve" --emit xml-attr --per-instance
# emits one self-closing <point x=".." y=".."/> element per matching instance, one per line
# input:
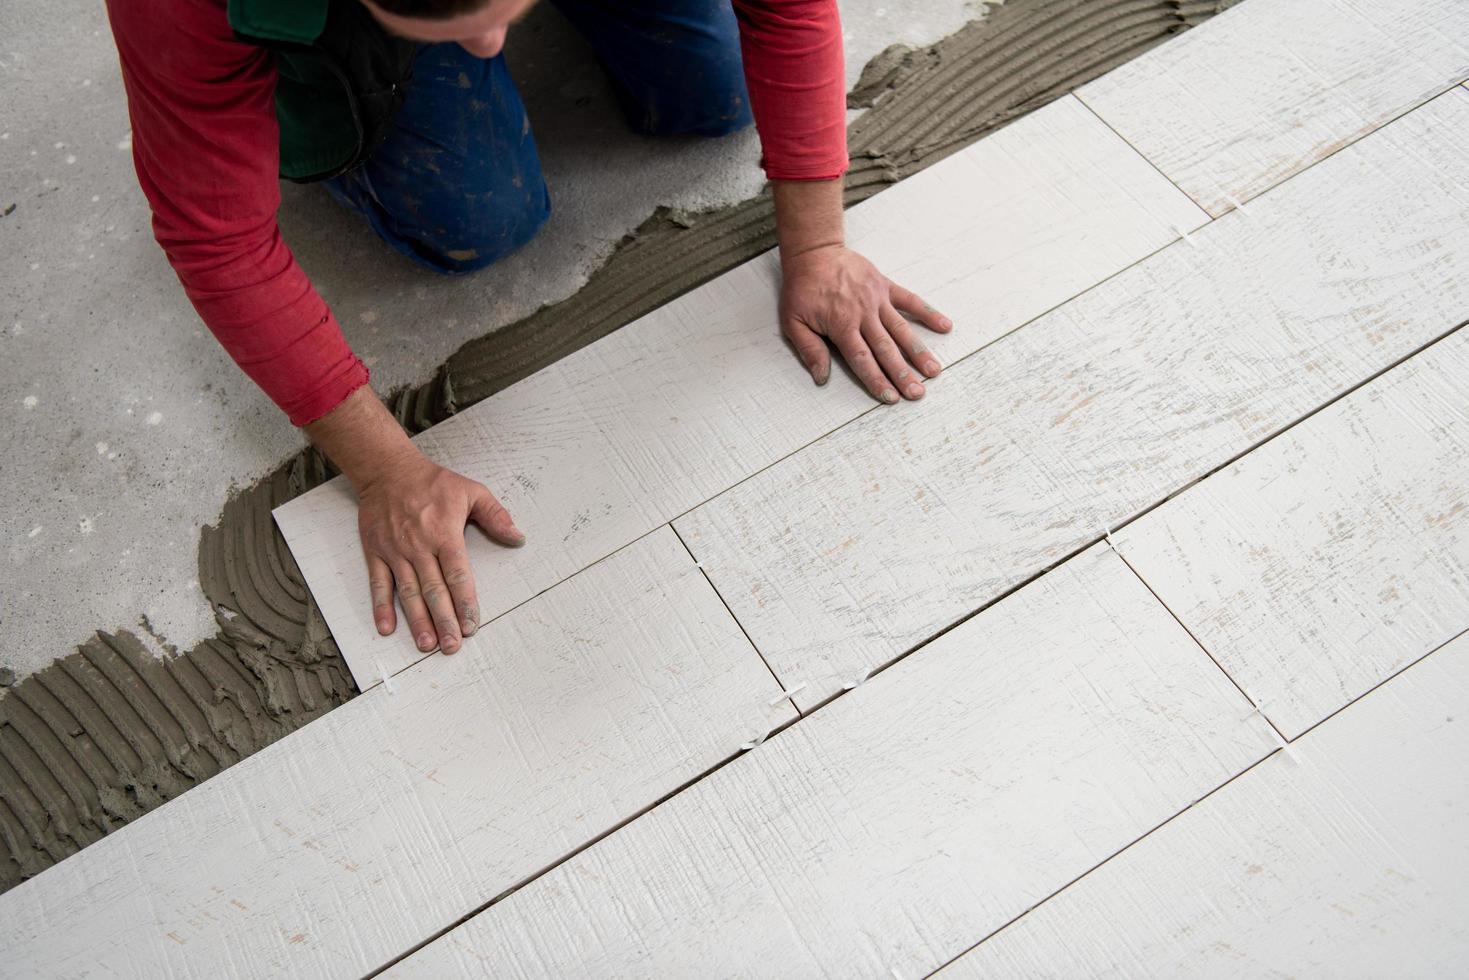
<point x="206" y="145"/>
<point x="798" y="93"/>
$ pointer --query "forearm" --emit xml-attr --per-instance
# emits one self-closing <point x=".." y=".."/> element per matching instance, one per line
<point x="205" y="143"/>
<point x="361" y="437"/>
<point x="808" y="215"/>
<point x="793" y="66"/>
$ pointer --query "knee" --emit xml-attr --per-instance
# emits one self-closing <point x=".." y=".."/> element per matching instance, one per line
<point x="701" y="94"/>
<point x="708" y="106"/>
<point x="724" y="117"/>
<point x="491" y="226"/>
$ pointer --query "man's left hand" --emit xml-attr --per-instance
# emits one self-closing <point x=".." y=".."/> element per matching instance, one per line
<point x="833" y="292"/>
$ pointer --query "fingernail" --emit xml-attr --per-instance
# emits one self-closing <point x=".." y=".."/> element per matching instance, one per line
<point x="383" y="628"/>
<point x="469" y="627"/>
<point x="821" y="376"/>
<point x="889" y="396"/>
<point x="449" y="646"/>
<point x="425" y="642"/>
<point x="517" y="536"/>
<point x="915" y="391"/>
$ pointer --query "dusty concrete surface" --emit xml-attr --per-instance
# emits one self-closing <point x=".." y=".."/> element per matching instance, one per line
<point x="107" y="731"/>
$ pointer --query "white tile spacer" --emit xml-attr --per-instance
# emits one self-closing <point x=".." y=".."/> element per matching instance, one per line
<point x="1187" y="238"/>
<point x="787" y="693"/>
<point x="1256" y="708"/>
<point x="387" y="680"/>
<point x="747" y="746"/>
<point x="1107" y="537"/>
<point x="861" y="679"/>
<point x="1237" y="205"/>
<point x="1285" y="749"/>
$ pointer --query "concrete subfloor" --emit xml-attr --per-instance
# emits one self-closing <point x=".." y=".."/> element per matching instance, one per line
<point x="129" y="423"/>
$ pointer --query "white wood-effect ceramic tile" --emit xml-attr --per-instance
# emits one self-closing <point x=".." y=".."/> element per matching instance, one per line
<point x="867" y="542"/>
<point x="1332" y="556"/>
<point x="888" y="829"/>
<point x="1348" y="860"/>
<point x="663" y="414"/>
<point x="1270" y="87"/>
<point x="334" y="850"/>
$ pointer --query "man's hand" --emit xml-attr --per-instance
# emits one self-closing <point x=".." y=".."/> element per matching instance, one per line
<point x="833" y="292"/>
<point x="411" y="515"/>
<point x="830" y="291"/>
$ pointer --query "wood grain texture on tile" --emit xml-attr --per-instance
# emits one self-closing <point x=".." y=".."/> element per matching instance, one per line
<point x="1332" y="556"/>
<point x="622" y="436"/>
<point x="882" y="833"/>
<point x="1347" y="858"/>
<point x="367" y="831"/>
<point x="866" y="543"/>
<point x="1270" y="87"/>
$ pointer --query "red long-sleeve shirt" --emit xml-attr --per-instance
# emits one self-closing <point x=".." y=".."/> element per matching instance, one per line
<point x="206" y="145"/>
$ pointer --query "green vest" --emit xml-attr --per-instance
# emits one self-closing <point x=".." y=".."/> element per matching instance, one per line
<point x="342" y="79"/>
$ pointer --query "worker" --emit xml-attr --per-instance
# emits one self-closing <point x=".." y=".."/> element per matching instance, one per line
<point x="404" y="109"/>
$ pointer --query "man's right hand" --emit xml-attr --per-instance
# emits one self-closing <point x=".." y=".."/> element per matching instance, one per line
<point x="411" y="516"/>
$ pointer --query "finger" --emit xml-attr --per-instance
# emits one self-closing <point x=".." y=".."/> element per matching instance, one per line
<point x="440" y="603"/>
<point x="859" y="358"/>
<point x="810" y="348"/>
<point x="908" y="301"/>
<point x="380" y="584"/>
<point x="459" y="577"/>
<point x="494" y="519"/>
<point x="904" y="378"/>
<point x="414" y="609"/>
<point x="907" y="340"/>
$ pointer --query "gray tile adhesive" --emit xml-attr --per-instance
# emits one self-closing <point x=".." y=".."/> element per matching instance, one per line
<point x="108" y="732"/>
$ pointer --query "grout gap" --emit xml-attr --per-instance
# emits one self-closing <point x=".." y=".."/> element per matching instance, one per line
<point x="1197" y="642"/>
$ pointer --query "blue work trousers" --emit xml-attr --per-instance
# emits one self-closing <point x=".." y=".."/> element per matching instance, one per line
<point x="457" y="184"/>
